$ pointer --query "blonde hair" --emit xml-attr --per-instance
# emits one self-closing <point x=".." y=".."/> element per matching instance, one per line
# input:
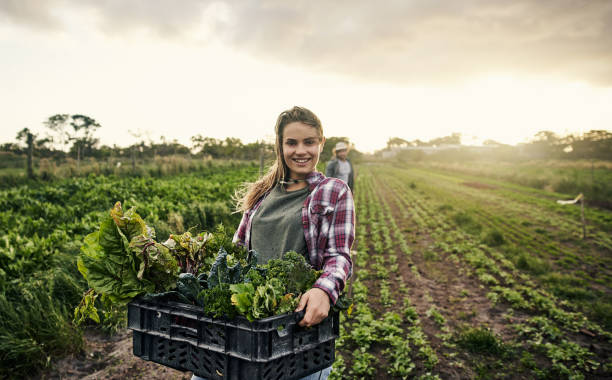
<point x="249" y="193"/>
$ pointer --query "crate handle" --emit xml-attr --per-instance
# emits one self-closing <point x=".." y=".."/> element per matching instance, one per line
<point x="183" y="331"/>
<point x="300" y="315"/>
<point x="283" y="330"/>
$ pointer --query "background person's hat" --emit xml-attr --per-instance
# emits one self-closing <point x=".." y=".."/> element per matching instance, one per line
<point x="340" y="146"/>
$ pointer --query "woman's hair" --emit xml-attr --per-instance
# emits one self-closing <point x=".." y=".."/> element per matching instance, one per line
<point x="249" y="193"/>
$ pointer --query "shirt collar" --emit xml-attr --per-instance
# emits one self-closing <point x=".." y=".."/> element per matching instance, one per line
<point x="314" y="179"/>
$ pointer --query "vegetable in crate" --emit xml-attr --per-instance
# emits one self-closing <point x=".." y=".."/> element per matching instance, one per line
<point x="257" y="291"/>
<point x="122" y="260"/>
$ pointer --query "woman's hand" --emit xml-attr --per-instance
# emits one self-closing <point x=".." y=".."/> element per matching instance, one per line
<point x="317" y="306"/>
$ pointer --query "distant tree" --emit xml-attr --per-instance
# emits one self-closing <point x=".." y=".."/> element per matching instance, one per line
<point x="77" y="129"/>
<point x="490" y="142"/>
<point x="396" y="142"/>
<point x="58" y="126"/>
<point x="83" y="128"/>
<point x="453" y="139"/>
<point x="418" y="142"/>
<point x="545" y="144"/>
<point x="232" y="147"/>
<point x="9" y="147"/>
<point x="206" y="146"/>
<point x="594" y="144"/>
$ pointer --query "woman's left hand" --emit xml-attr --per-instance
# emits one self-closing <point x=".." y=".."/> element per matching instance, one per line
<point x="317" y="306"/>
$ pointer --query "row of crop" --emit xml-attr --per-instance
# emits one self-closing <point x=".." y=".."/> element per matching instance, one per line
<point x="541" y="209"/>
<point x="394" y="337"/>
<point x="575" y="271"/>
<point x="542" y="198"/>
<point x="41" y="231"/>
<point x="520" y="294"/>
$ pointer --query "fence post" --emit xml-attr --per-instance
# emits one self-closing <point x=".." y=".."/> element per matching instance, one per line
<point x="582" y="217"/>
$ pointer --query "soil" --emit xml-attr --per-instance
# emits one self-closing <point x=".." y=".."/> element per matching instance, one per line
<point x="105" y="357"/>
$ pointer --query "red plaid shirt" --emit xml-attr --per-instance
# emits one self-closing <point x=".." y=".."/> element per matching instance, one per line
<point x="328" y="218"/>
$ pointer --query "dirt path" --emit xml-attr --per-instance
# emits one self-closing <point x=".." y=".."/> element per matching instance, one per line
<point x="106" y="357"/>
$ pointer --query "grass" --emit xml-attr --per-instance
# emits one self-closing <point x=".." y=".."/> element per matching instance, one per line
<point x="531" y="264"/>
<point x="481" y="340"/>
<point x="493" y="238"/>
<point x="466" y="222"/>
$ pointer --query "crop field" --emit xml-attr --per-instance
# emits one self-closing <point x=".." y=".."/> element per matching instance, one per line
<point x="463" y="277"/>
<point x="42" y="229"/>
<point x="455" y="276"/>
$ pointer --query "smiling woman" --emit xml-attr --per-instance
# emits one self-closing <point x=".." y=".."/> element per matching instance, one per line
<point x="302" y="145"/>
<point x="296" y="208"/>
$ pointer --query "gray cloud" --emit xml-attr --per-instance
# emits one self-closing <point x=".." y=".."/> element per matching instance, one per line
<point x="420" y="41"/>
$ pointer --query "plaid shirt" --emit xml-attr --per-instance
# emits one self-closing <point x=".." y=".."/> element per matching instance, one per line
<point x="328" y="218"/>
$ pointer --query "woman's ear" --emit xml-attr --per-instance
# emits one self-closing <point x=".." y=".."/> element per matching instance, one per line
<point x="322" y="145"/>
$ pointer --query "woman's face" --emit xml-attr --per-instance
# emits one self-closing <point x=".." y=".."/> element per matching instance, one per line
<point x="301" y="149"/>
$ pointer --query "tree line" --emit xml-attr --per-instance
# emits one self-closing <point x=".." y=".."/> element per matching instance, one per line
<point x="594" y="144"/>
<point x="73" y="136"/>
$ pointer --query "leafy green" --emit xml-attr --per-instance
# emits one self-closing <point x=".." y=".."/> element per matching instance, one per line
<point x="294" y="272"/>
<point x="242" y="297"/>
<point x="156" y="262"/>
<point x="230" y="269"/>
<point x="121" y="260"/>
<point x="188" y="285"/>
<point x="262" y="291"/>
<point x="217" y="301"/>
<point x="189" y="250"/>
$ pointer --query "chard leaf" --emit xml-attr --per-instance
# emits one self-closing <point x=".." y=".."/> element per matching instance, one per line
<point x="156" y="262"/>
<point x="108" y="266"/>
<point x="130" y="223"/>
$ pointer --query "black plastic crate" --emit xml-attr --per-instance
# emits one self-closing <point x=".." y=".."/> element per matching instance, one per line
<point x="183" y="337"/>
<point x="214" y="365"/>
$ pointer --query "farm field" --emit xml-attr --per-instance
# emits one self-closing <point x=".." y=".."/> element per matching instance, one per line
<point x="42" y="227"/>
<point x="455" y="275"/>
<point x="463" y="277"/>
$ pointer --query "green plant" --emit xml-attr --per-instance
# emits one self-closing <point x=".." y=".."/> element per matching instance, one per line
<point x="481" y="340"/>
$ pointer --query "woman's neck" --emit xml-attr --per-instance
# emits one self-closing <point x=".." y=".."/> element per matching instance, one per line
<point x="295" y="186"/>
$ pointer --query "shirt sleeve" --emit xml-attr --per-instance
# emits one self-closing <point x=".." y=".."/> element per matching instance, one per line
<point x="240" y="234"/>
<point x="337" y="263"/>
<point x="329" y="169"/>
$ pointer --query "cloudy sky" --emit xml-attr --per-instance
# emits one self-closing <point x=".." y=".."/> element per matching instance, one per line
<point x="500" y="70"/>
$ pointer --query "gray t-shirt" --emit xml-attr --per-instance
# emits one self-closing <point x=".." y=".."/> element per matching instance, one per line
<point x="277" y="224"/>
<point x="344" y="169"/>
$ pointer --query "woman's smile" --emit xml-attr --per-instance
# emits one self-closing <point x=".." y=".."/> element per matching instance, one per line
<point x="301" y="149"/>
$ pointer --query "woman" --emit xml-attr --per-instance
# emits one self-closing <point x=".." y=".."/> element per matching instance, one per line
<point x="294" y="207"/>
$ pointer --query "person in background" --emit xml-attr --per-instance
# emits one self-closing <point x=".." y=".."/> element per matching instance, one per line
<point x="340" y="167"/>
<point x="295" y="208"/>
